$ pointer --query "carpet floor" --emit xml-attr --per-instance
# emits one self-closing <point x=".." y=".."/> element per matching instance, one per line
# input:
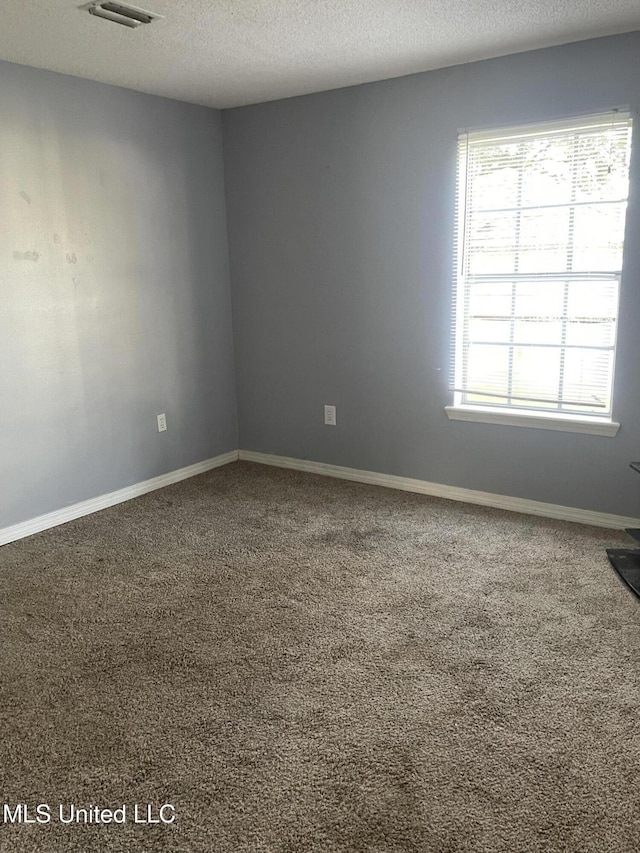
<point x="295" y="663"/>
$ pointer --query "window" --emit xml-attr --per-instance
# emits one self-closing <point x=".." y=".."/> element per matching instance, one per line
<point x="540" y="219"/>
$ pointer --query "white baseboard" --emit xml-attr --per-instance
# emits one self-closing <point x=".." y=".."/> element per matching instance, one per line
<point x="60" y="516"/>
<point x="452" y="493"/>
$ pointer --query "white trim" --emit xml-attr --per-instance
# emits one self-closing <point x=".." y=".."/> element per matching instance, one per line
<point x="563" y="423"/>
<point x="69" y="513"/>
<point x="452" y="493"/>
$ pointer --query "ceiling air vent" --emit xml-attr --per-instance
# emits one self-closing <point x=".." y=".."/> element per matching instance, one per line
<point x="128" y="16"/>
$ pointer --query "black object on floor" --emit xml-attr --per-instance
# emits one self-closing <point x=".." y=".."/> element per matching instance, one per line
<point x="626" y="562"/>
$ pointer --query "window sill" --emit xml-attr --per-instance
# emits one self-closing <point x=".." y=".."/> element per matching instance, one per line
<point x="562" y="423"/>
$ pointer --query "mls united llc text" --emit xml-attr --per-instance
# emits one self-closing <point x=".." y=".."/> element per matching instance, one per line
<point x="142" y="813"/>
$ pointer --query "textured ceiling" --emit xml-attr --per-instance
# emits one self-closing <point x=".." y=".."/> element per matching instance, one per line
<point x="225" y="53"/>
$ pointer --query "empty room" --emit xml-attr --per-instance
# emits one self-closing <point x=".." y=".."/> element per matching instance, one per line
<point x="319" y="426"/>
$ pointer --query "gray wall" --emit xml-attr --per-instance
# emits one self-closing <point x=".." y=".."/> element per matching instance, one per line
<point x="341" y="209"/>
<point x="115" y="284"/>
<point x="115" y="290"/>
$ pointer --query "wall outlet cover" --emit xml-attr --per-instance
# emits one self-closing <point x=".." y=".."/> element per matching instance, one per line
<point x="330" y="415"/>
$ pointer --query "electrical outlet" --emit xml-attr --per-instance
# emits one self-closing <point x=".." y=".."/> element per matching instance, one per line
<point x="330" y="415"/>
<point x="162" y="422"/>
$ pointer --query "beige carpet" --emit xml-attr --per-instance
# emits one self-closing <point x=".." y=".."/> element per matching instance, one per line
<point x="304" y="664"/>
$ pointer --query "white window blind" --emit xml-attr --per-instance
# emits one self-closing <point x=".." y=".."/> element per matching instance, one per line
<point x="540" y="216"/>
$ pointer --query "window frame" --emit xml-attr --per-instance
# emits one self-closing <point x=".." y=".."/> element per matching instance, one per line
<point x="525" y="415"/>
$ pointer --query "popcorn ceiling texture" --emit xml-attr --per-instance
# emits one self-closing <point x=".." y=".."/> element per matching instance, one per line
<point x="233" y="52"/>
<point x="303" y="664"/>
